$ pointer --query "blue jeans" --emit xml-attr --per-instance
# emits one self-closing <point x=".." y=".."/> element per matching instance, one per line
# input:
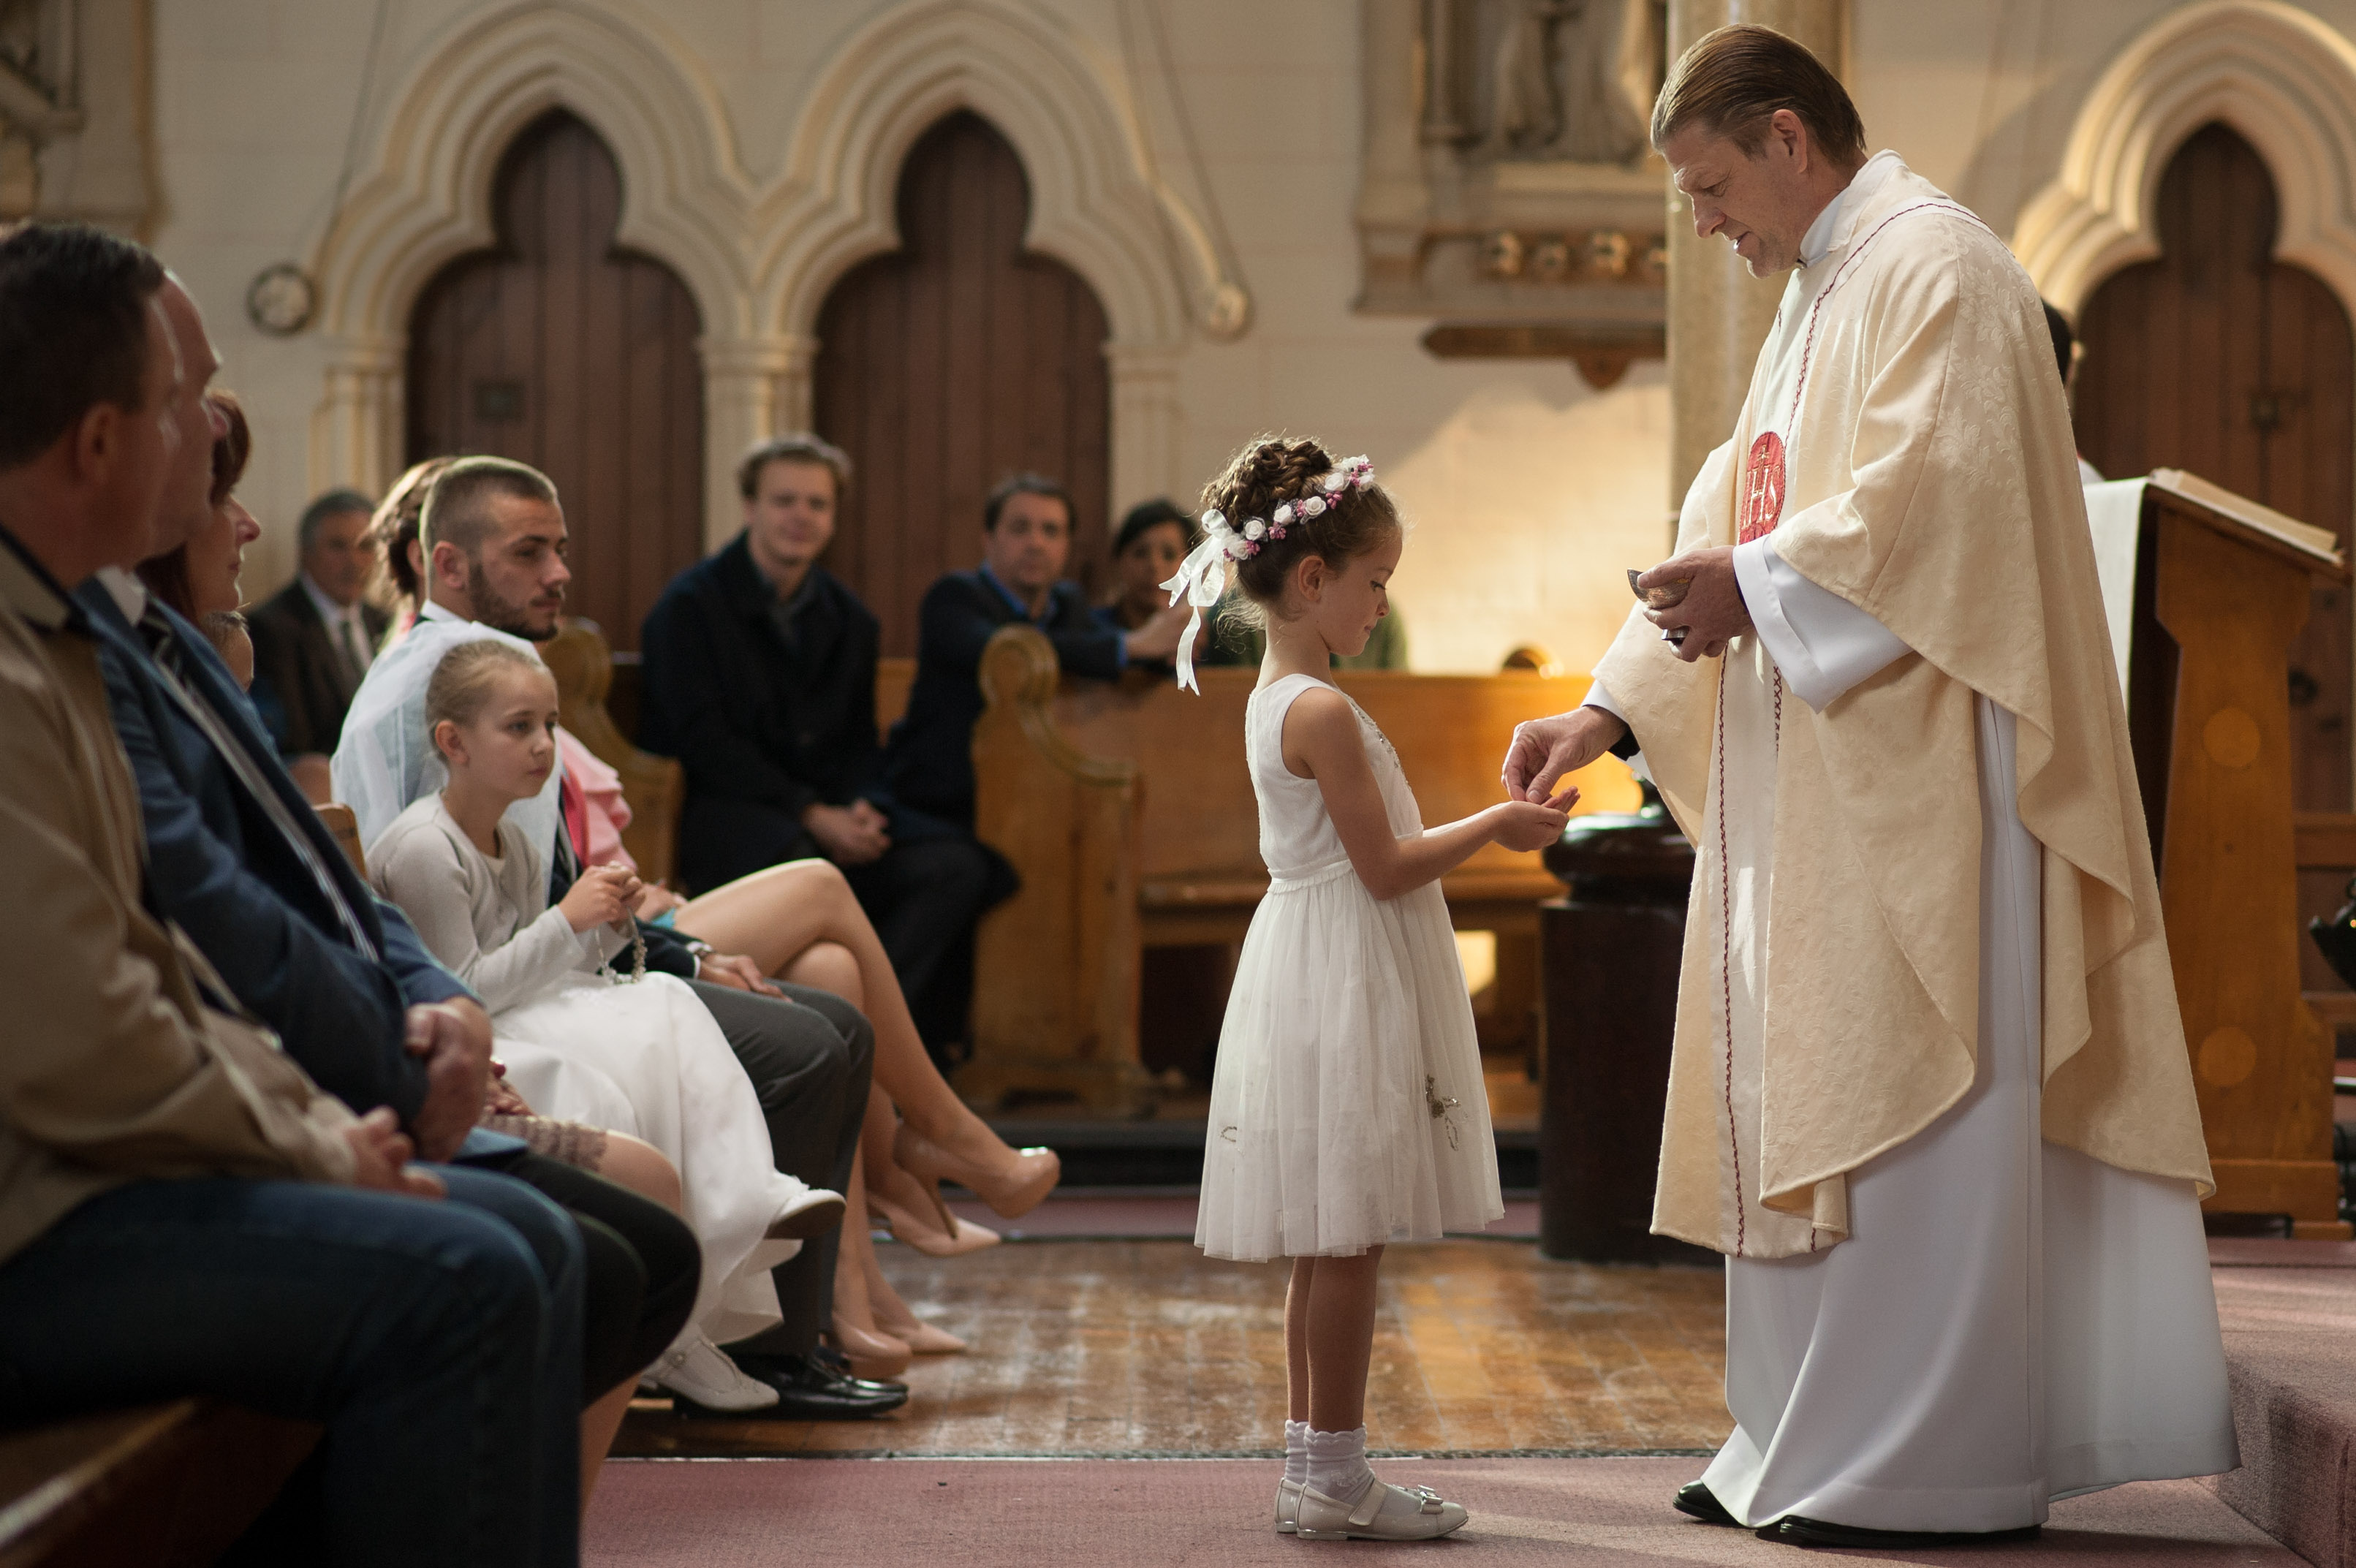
<point x="438" y="1342"/>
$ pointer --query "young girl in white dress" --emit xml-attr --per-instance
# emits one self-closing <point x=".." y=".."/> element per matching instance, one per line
<point x="643" y="1057"/>
<point x="1347" y="1110"/>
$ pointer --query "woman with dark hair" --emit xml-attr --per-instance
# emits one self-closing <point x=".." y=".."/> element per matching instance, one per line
<point x="1153" y="538"/>
<point x="400" y="582"/>
<point x="199" y="578"/>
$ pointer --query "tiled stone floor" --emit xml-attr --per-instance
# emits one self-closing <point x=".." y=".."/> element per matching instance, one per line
<point x="1143" y="1347"/>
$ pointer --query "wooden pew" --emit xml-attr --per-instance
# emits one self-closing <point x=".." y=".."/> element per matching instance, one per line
<point x="166" y="1484"/>
<point x="2327" y="852"/>
<point x="159" y="1486"/>
<point x="1127" y="808"/>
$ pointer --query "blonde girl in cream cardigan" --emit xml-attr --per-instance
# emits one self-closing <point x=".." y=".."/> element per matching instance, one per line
<point x="638" y="1054"/>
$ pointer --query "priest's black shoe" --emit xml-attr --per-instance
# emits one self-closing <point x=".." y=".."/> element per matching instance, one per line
<point x="1698" y="1500"/>
<point x="820" y="1387"/>
<point x="1792" y="1529"/>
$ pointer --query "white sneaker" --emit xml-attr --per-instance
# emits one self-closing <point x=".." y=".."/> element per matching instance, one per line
<point x="1382" y="1513"/>
<point x="702" y="1372"/>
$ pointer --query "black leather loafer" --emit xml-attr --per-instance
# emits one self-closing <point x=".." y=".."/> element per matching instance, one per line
<point x="1696" y="1499"/>
<point x="1792" y="1530"/>
<point x="818" y="1387"/>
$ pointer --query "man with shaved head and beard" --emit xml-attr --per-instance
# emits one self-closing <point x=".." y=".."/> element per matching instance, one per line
<point x="494" y="538"/>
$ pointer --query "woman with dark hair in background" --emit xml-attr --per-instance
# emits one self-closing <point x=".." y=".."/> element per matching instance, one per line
<point x="199" y="578"/>
<point x="1146" y="550"/>
<point x="400" y="582"/>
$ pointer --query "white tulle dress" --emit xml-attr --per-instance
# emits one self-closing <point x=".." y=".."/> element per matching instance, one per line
<point x="644" y="1058"/>
<point x="1347" y="1109"/>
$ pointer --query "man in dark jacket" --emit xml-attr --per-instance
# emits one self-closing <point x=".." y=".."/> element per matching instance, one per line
<point x="314" y="639"/>
<point x="1026" y="537"/>
<point x="760" y="678"/>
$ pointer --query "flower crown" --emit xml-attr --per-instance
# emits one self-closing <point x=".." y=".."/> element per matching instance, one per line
<point x="1237" y="543"/>
<point x="1202" y="576"/>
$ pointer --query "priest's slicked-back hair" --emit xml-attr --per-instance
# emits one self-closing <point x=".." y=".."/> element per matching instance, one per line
<point x="458" y="506"/>
<point x="1732" y="82"/>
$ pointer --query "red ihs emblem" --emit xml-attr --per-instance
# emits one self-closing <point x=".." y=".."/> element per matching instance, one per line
<point x="1762" y="499"/>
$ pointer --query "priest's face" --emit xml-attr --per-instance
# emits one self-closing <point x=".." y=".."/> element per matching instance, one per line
<point x="1760" y="203"/>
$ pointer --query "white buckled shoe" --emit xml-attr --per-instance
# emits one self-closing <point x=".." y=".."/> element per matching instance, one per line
<point x="814" y="1212"/>
<point x="702" y="1372"/>
<point x="1383" y="1512"/>
<point x="1288" y="1506"/>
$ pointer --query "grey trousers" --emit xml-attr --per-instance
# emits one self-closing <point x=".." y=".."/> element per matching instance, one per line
<point x="810" y="1055"/>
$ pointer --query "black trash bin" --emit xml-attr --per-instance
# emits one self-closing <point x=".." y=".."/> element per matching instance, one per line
<point x="1609" y="958"/>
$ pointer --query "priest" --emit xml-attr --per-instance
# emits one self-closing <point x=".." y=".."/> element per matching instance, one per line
<point x="1929" y="1092"/>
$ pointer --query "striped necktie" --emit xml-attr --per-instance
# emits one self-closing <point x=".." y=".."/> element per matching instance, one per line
<point x="170" y="657"/>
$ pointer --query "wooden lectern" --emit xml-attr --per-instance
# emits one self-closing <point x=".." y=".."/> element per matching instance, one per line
<point x="2220" y="589"/>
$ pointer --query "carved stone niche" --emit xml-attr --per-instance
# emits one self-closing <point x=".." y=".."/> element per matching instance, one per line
<point x="74" y="112"/>
<point x="1509" y="192"/>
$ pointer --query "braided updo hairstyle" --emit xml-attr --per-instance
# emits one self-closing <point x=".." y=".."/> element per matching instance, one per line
<point x="1270" y="471"/>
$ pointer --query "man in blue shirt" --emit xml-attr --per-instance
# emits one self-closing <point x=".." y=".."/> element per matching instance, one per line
<point x="1026" y="538"/>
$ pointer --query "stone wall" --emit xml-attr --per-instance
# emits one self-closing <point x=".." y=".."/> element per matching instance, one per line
<point x="1529" y="490"/>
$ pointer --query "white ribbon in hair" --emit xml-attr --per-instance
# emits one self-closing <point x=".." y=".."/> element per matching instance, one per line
<point x="1200" y="578"/>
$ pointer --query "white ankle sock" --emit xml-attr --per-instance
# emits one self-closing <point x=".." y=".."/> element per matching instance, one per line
<point x="1296" y="1451"/>
<point x="1337" y="1464"/>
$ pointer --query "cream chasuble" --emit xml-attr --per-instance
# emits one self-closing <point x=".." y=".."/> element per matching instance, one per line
<point x="1923" y="925"/>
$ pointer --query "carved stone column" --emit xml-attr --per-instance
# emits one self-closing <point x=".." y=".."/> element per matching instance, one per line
<point x="356" y="426"/>
<point x="1719" y="314"/>
<point x="1148" y="423"/>
<point x="753" y="388"/>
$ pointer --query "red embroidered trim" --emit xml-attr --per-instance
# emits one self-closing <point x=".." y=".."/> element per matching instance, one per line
<point x="1762" y="491"/>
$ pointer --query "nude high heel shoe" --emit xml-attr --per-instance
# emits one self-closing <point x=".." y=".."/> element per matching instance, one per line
<point x="940" y="1234"/>
<point x="891" y="1315"/>
<point x="1012" y="1190"/>
<point x="871" y="1352"/>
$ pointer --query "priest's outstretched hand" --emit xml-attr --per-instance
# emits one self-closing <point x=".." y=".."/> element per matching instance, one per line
<point x="1711" y="614"/>
<point x="1547" y="751"/>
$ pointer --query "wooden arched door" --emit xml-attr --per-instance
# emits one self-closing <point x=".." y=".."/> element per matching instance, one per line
<point x="2218" y="359"/>
<point x="561" y="350"/>
<point x="951" y="363"/>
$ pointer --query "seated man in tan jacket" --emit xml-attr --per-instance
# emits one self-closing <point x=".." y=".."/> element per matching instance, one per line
<point x="182" y="1211"/>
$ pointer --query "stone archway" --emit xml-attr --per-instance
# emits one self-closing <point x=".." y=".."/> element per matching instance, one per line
<point x="564" y="350"/>
<point x="2220" y="358"/>
<point x="759" y="256"/>
<point x="1098" y="202"/>
<point x="2285" y="82"/>
<point x="423" y="196"/>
